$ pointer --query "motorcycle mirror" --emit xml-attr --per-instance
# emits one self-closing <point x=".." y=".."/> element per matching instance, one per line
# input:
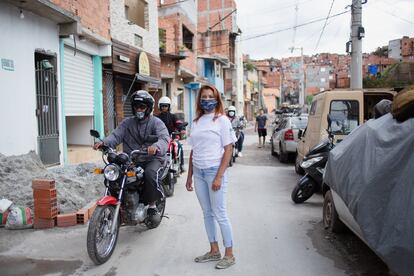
<point x="185" y="124"/>
<point x="94" y="133"/>
<point x="152" y="139"/>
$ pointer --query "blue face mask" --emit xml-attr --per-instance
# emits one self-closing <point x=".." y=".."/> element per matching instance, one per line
<point x="208" y="105"/>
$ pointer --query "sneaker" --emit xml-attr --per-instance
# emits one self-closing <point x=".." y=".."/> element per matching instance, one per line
<point x="208" y="257"/>
<point x="226" y="262"/>
<point x="240" y="154"/>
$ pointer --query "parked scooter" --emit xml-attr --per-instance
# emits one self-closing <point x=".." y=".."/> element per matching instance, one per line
<point x="314" y="166"/>
<point x="122" y="203"/>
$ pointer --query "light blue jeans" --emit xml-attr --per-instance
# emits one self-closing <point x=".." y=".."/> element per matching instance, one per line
<point x="213" y="204"/>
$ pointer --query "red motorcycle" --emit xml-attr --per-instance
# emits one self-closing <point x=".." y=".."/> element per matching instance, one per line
<point x="174" y="155"/>
<point x="122" y="203"/>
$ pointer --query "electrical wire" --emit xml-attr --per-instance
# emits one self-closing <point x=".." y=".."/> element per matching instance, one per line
<point x="324" y="25"/>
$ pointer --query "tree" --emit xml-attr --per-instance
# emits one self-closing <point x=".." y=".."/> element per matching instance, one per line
<point x="381" y="51"/>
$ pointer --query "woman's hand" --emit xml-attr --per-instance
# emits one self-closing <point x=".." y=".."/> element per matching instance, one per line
<point x="189" y="184"/>
<point x="216" y="184"/>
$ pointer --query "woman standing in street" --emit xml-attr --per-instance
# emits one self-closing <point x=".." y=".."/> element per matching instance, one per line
<point x="211" y="139"/>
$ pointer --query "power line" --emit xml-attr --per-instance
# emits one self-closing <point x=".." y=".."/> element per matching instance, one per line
<point x="396" y="16"/>
<point x="221" y="20"/>
<point x="290" y="28"/>
<point x="277" y="31"/>
<point x="324" y="25"/>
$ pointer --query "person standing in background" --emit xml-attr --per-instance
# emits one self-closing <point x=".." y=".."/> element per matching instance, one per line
<point x="261" y="127"/>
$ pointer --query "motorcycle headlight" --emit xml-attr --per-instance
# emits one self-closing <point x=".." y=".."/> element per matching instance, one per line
<point x="306" y="164"/>
<point x="111" y="172"/>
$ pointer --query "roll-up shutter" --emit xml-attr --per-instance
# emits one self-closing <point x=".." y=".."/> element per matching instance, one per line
<point x="78" y="83"/>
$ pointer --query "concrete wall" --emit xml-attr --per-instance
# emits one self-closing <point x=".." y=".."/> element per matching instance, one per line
<point x="239" y="78"/>
<point x="122" y="31"/>
<point x="20" y="39"/>
<point x="187" y="8"/>
<point x="394" y="49"/>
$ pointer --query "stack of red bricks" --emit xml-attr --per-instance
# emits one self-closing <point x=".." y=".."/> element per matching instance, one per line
<point x="46" y="211"/>
<point x="45" y="203"/>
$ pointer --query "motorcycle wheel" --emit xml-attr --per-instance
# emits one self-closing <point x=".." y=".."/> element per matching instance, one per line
<point x="301" y="193"/>
<point x="161" y="208"/>
<point x="331" y="219"/>
<point x="168" y="185"/>
<point x="100" y="243"/>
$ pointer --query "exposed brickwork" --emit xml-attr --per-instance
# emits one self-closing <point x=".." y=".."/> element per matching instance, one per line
<point x="94" y="15"/>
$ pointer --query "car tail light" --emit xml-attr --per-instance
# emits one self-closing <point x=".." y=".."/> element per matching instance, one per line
<point x="289" y="135"/>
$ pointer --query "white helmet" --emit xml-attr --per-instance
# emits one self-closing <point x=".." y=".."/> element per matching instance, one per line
<point x="231" y="111"/>
<point x="164" y="101"/>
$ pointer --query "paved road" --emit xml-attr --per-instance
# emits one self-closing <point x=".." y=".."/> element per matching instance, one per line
<point x="272" y="235"/>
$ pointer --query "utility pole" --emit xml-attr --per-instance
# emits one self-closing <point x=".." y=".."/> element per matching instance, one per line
<point x="357" y="33"/>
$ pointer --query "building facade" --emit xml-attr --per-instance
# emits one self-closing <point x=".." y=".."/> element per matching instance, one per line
<point x="134" y="63"/>
<point x="178" y="51"/>
<point x="46" y="42"/>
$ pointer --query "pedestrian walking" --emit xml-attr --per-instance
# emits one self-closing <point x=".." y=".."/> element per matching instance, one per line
<point x="261" y="127"/>
<point x="212" y="138"/>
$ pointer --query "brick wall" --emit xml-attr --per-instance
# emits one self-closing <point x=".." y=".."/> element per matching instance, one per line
<point x="94" y="15"/>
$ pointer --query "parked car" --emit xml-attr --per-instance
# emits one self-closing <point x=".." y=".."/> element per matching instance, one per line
<point x="368" y="187"/>
<point x="348" y="110"/>
<point x="285" y="137"/>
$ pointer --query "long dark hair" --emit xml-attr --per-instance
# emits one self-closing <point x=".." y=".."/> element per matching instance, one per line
<point x="219" y="108"/>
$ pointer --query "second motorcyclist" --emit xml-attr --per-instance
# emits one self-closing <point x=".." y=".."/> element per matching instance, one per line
<point x="237" y="125"/>
<point x="171" y="122"/>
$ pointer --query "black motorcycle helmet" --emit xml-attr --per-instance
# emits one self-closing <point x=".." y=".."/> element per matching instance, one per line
<point x="142" y="97"/>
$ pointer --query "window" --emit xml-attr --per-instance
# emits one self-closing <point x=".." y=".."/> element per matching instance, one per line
<point x="299" y="122"/>
<point x="138" y="41"/>
<point x="180" y="99"/>
<point x="162" y="34"/>
<point x="188" y="37"/>
<point x="136" y="11"/>
<point x="313" y="108"/>
<point x="344" y="115"/>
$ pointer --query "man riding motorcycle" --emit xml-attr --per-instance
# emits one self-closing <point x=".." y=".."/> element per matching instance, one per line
<point x="133" y="133"/>
<point x="236" y="124"/>
<point x="171" y="122"/>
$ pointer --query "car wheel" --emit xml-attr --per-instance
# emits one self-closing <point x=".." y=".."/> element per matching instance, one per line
<point x="331" y="219"/>
<point x="298" y="168"/>
<point x="283" y="156"/>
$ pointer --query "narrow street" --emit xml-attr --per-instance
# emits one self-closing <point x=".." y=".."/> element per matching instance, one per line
<point x="272" y="235"/>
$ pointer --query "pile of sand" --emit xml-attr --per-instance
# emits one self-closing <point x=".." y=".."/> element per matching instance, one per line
<point x="76" y="184"/>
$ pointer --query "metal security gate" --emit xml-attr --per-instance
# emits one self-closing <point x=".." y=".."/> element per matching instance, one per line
<point x="110" y="102"/>
<point x="47" y="110"/>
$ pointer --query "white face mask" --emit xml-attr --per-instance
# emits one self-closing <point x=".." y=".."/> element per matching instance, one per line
<point x="140" y="115"/>
<point x="232" y="113"/>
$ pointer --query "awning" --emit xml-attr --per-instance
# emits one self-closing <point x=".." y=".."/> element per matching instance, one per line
<point x="150" y="80"/>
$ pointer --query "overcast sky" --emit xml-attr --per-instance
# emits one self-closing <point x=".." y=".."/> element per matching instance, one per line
<point x="383" y="20"/>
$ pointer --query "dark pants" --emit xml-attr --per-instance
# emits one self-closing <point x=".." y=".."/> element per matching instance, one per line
<point x="153" y="172"/>
<point x="240" y="142"/>
<point x="180" y="147"/>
